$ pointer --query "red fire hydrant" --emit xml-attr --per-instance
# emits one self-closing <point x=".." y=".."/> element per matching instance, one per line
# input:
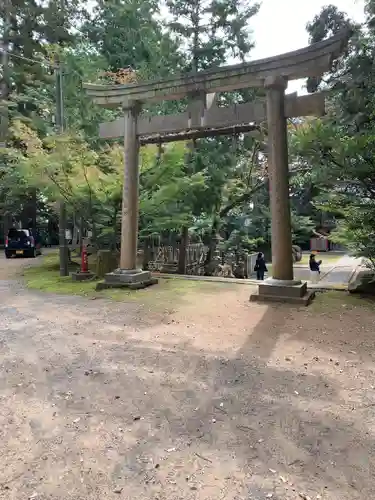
<point x="84" y="261"/>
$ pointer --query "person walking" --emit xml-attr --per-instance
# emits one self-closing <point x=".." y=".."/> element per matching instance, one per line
<point x="314" y="268"/>
<point x="260" y="266"/>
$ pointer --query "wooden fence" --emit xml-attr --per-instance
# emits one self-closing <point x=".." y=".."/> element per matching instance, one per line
<point x="164" y="258"/>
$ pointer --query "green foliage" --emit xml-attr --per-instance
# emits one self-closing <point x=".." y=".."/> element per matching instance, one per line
<point x="91" y="181"/>
<point x="327" y="23"/>
<point x="211" y="31"/>
<point x="211" y="188"/>
<point x="128" y="34"/>
<point x="34" y="26"/>
<point x="81" y="64"/>
<point x="167" y="192"/>
<point x="357" y="230"/>
<point x="336" y="153"/>
<point x="58" y="164"/>
<point x="343" y="176"/>
<point x="302" y="227"/>
<point x="13" y="185"/>
<point x="75" y="165"/>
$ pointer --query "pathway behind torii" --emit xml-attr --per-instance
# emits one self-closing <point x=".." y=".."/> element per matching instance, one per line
<point x="333" y="276"/>
<point x="341" y="272"/>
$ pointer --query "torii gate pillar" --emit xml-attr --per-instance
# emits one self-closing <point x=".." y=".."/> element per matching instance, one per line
<point x="127" y="275"/>
<point x="282" y="286"/>
<point x="129" y="219"/>
<point x="278" y="172"/>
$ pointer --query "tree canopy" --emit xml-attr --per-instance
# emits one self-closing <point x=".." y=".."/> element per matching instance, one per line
<point x="338" y="150"/>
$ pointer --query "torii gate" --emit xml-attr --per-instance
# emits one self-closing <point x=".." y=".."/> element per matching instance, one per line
<point x="204" y="118"/>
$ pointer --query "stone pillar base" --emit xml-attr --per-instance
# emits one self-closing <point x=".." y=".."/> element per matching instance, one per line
<point x="133" y="279"/>
<point x="290" y="292"/>
<point x="79" y="276"/>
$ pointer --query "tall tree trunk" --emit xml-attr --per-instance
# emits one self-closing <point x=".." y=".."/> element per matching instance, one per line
<point x="212" y="245"/>
<point x="64" y="250"/>
<point x="184" y="235"/>
<point x="7" y="224"/>
<point x="4" y="83"/>
<point x="146" y="254"/>
<point x="80" y="236"/>
<point x="4" y="94"/>
<point x="51" y="230"/>
<point x="28" y="214"/>
<point x="75" y="231"/>
<point x="94" y="237"/>
<point x="114" y="225"/>
<point x="183" y="250"/>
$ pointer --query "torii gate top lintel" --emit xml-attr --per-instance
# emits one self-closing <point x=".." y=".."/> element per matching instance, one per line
<point x="314" y="60"/>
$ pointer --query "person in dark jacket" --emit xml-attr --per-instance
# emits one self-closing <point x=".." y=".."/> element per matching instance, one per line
<point x="260" y="266"/>
<point x="314" y="268"/>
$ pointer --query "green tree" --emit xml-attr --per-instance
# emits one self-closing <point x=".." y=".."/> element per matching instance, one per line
<point x="338" y="150"/>
<point x="128" y="34"/>
<point x="35" y="26"/>
<point x="209" y="33"/>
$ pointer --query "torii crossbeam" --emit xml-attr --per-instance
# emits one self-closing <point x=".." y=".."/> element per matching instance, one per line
<point x="205" y="118"/>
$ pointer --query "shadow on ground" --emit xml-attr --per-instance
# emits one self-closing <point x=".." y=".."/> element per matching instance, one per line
<point x="104" y="405"/>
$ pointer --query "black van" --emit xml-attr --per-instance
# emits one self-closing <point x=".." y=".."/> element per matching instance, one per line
<point x="20" y="242"/>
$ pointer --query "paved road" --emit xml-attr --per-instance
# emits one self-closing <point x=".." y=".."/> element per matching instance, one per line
<point x="337" y="273"/>
<point x="341" y="271"/>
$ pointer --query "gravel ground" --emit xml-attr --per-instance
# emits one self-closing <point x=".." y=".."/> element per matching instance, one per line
<point x="214" y="398"/>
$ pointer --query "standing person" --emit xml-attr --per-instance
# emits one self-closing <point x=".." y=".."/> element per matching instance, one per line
<point x="260" y="266"/>
<point x="314" y="268"/>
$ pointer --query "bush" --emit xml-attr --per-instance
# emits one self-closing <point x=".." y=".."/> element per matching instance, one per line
<point x="357" y="232"/>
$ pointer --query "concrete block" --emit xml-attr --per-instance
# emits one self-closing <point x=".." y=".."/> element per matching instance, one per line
<point x="131" y="279"/>
<point x="288" y="292"/>
<point x="126" y="276"/>
<point x="298" y="290"/>
<point x="284" y="299"/>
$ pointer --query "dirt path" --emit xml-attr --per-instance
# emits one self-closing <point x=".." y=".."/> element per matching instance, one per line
<point x="220" y="399"/>
<point x="10" y="269"/>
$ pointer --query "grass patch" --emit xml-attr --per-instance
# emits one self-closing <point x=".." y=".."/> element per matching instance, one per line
<point x="46" y="278"/>
<point x="337" y="301"/>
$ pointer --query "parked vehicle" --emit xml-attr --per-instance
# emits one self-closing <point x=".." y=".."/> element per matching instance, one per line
<point x="21" y="242"/>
